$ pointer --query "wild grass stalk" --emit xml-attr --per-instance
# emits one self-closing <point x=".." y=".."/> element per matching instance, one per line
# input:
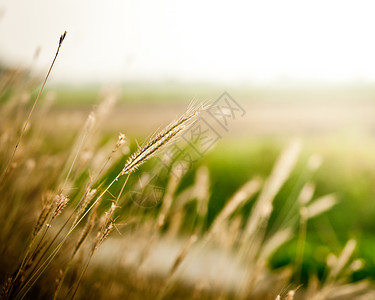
<point x="161" y="140"/>
<point x="2" y="178"/>
<point x="176" y="264"/>
<point x="60" y="204"/>
<point x="279" y="175"/>
<point x="172" y="185"/>
<point x="146" y="152"/>
<point x="244" y="193"/>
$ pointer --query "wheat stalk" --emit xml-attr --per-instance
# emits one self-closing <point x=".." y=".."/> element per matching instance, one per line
<point x="161" y="140"/>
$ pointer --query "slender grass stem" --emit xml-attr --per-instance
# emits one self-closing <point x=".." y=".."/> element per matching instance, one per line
<point x="2" y="178"/>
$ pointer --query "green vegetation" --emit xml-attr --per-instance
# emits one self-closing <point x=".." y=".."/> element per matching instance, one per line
<point x="172" y="92"/>
<point x="270" y="213"/>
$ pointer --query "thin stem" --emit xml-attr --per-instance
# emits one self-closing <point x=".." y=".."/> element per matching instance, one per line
<point x="93" y="250"/>
<point x="76" y="208"/>
<point x="81" y="275"/>
<point x="74" y="160"/>
<point x="45" y="264"/>
<point x="2" y="178"/>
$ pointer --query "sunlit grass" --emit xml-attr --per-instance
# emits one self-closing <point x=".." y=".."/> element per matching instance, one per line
<point x="234" y="226"/>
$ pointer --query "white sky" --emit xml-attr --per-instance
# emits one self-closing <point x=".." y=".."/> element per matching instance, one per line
<point x="256" y="41"/>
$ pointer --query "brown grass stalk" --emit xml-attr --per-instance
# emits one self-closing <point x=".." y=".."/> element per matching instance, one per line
<point x="2" y="178"/>
<point x="161" y="140"/>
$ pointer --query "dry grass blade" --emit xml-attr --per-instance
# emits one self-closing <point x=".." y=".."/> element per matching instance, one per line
<point x="343" y="259"/>
<point x="182" y="254"/>
<point x="320" y="205"/>
<point x="278" y="177"/>
<point x="177" y="262"/>
<point x="172" y="185"/>
<point x="274" y="242"/>
<point x="352" y="291"/>
<point x="306" y="193"/>
<point x="244" y="193"/>
<point x="359" y="290"/>
<point x="202" y="190"/>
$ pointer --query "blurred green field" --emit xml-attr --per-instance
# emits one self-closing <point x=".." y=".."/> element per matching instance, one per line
<point x="348" y="168"/>
<point x="174" y="91"/>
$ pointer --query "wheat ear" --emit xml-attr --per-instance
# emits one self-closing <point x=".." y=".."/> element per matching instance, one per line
<point x="161" y="140"/>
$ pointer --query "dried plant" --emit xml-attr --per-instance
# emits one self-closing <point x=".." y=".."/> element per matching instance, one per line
<point x="161" y="140"/>
<point x="181" y="248"/>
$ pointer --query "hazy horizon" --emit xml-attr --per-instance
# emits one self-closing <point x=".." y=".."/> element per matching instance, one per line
<point x="216" y="42"/>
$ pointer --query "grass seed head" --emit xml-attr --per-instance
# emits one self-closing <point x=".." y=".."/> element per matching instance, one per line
<point x="161" y="140"/>
<point x="62" y="37"/>
<point x="61" y="201"/>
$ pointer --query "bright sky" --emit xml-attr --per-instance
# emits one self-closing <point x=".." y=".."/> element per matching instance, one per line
<point x="255" y="41"/>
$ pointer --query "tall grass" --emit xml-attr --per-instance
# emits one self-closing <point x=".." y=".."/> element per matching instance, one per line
<point x="65" y="194"/>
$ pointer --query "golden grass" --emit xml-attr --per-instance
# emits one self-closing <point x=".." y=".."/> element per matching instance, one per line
<point x="68" y="184"/>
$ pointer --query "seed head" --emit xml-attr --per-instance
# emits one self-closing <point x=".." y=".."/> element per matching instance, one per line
<point x="161" y="140"/>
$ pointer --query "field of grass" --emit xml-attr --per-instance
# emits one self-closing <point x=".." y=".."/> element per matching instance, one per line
<point x="261" y="215"/>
